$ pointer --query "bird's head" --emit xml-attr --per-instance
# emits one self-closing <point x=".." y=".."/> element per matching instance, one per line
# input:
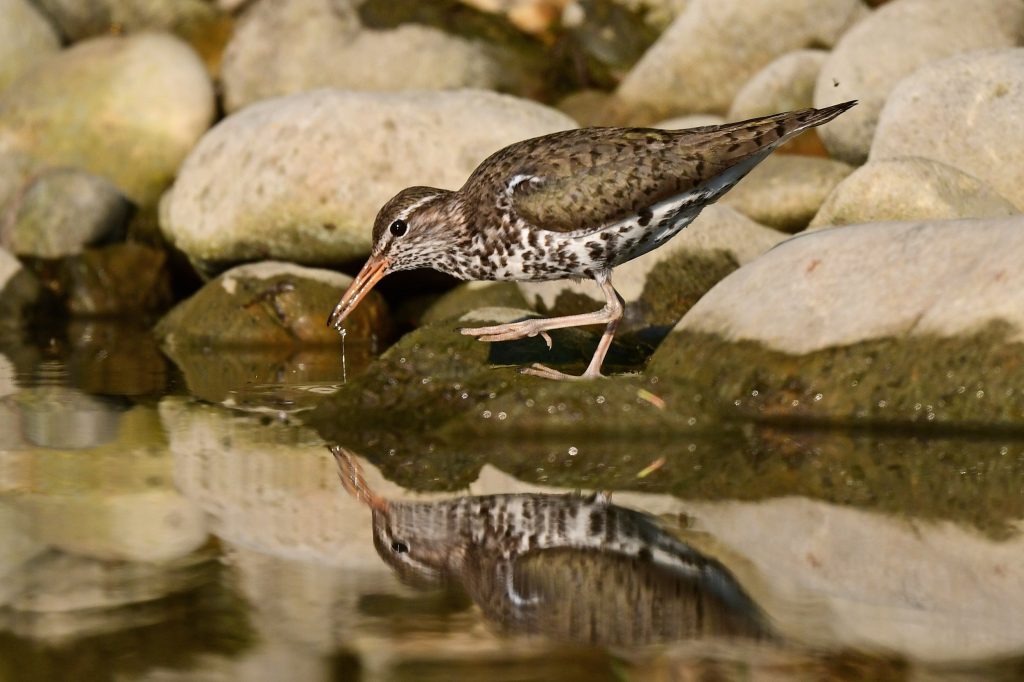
<point x="408" y="233"/>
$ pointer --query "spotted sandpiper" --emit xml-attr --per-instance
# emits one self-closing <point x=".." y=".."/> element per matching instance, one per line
<point x="572" y="204"/>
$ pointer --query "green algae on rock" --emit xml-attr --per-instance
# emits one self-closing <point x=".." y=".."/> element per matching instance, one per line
<point x="471" y="296"/>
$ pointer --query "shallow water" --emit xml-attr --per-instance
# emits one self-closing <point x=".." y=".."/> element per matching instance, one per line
<point x="159" y="524"/>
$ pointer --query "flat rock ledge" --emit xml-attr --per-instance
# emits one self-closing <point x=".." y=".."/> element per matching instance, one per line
<point x="875" y="323"/>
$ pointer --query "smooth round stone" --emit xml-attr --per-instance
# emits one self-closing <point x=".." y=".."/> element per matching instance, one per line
<point x="128" y="109"/>
<point x="909" y="188"/>
<point x="785" y="191"/>
<point x="892" y="43"/>
<point x="966" y="112"/>
<point x="786" y="84"/>
<point x="691" y="121"/>
<point x="301" y="178"/>
<point x="269" y="304"/>
<point x="63" y="210"/>
<point x="281" y="48"/>
<point x="25" y="38"/>
<point x="715" y="46"/>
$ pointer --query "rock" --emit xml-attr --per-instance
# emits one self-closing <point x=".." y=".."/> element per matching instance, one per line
<point x="269" y="304"/>
<point x="19" y="289"/>
<point x="301" y="178"/>
<point x="197" y="22"/>
<point x="471" y="296"/>
<point x="965" y="112"/>
<point x="892" y="43"/>
<point x="25" y="38"/>
<point x="785" y="191"/>
<point x="910" y="188"/>
<point x="691" y="121"/>
<point x="660" y="286"/>
<point x="128" y="109"/>
<point x="785" y="84"/>
<point x="873" y="323"/>
<point x="281" y="48"/>
<point x="715" y="46"/>
<point x="62" y="210"/>
<point x="118" y="279"/>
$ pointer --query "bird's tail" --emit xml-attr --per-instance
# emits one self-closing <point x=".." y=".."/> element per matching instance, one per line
<point x="771" y="131"/>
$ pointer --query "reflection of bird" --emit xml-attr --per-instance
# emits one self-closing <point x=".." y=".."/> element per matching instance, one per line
<point x="570" y="204"/>
<point x="522" y="557"/>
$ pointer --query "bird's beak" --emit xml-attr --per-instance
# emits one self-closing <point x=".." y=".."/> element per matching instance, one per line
<point x="375" y="268"/>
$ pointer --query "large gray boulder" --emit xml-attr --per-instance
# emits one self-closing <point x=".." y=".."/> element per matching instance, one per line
<point x="880" y="322"/>
<point x="715" y="46"/>
<point x="892" y="43"/>
<point x="966" y="112"/>
<point x="910" y="188"/>
<point x="128" y="109"/>
<point x="301" y="178"/>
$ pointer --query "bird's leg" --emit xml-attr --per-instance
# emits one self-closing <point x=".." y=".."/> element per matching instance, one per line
<point x="610" y="315"/>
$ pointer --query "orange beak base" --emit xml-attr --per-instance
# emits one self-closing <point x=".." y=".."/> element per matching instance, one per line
<point x="372" y="272"/>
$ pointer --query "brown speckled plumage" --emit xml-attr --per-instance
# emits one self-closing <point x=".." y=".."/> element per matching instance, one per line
<point x="571" y="204"/>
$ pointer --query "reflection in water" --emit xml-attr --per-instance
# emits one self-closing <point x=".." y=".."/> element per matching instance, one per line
<point x="570" y="566"/>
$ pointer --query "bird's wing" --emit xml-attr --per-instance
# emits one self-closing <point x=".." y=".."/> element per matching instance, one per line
<point x="588" y="178"/>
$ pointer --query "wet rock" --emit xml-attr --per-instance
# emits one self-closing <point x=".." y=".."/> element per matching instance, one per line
<point x="715" y="46"/>
<point x="785" y="191"/>
<point x="19" y="289"/>
<point x="472" y="296"/>
<point x="892" y="43"/>
<point x="910" y="188"/>
<point x="269" y="304"/>
<point x="281" y="48"/>
<point x="25" y="38"/>
<point x="965" y="112"/>
<point x="119" y="279"/>
<point x="60" y="211"/>
<point x="247" y="191"/>
<point x="869" y="323"/>
<point x="660" y="286"/>
<point x="785" y="84"/>
<point x="128" y="109"/>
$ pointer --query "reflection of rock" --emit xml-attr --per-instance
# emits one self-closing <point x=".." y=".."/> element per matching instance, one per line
<point x="265" y="484"/>
<point x="18" y="290"/>
<point x="57" y="417"/>
<point x="115" y="358"/>
<point x="834" y="578"/>
<point x="18" y="547"/>
<point x="165" y="616"/>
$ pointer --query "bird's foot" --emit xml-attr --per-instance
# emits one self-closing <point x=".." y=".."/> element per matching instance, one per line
<point x="545" y="372"/>
<point x="509" y="332"/>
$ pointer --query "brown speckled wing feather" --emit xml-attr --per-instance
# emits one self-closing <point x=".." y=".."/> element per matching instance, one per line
<point x="590" y="177"/>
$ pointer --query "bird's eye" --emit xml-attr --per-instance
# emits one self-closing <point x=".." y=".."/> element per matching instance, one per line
<point x="399" y="228"/>
<point x="399" y="547"/>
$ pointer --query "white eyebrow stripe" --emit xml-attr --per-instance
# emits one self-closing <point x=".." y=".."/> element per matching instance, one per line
<point x="415" y="205"/>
